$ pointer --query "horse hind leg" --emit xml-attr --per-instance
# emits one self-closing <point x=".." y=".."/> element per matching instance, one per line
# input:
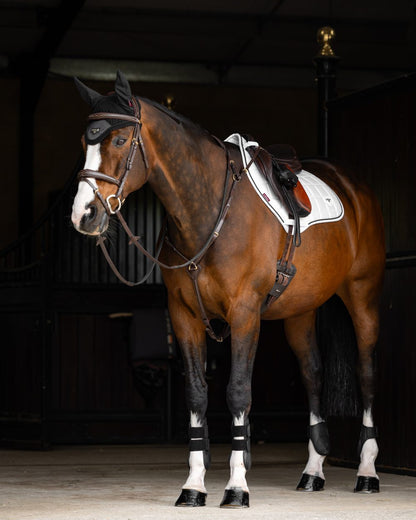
<point x="301" y="335"/>
<point x="361" y="300"/>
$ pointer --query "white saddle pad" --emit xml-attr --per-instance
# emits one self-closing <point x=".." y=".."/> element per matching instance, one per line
<point x="326" y="205"/>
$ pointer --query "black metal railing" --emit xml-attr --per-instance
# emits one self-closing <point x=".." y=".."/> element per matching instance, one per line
<point x="71" y="258"/>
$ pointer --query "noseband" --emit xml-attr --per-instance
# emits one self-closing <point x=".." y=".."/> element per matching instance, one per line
<point x="86" y="174"/>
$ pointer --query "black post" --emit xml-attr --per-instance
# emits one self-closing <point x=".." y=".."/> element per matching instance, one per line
<point x="31" y="83"/>
<point x="32" y="70"/>
<point x="326" y="69"/>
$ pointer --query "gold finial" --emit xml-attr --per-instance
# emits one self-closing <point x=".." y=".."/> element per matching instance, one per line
<point x="324" y="37"/>
<point x="169" y="101"/>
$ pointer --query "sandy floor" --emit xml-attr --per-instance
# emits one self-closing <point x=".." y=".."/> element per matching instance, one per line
<point x="143" y="482"/>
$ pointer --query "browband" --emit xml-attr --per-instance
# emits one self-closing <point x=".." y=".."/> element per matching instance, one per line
<point x="112" y="115"/>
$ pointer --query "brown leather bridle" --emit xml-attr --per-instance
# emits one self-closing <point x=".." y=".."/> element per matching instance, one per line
<point x="137" y="140"/>
<point x="193" y="264"/>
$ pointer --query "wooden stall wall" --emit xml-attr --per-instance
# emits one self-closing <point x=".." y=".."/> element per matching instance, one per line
<point x="66" y="371"/>
<point x="374" y="133"/>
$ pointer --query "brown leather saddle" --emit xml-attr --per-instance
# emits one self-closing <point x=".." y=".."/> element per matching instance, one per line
<point x="280" y="166"/>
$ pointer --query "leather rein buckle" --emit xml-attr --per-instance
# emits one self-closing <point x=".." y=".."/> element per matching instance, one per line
<point x="120" y="203"/>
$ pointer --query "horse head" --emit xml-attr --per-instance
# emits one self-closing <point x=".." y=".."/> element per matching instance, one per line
<point x="112" y="168"/>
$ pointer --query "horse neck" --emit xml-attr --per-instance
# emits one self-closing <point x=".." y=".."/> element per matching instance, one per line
<point x="187" y="175"/>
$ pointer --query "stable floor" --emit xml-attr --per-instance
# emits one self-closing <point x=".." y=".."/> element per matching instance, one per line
<point x="143" y="482"/>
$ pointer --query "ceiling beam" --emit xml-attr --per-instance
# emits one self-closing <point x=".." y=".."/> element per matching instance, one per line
<point x="281" y="76"/>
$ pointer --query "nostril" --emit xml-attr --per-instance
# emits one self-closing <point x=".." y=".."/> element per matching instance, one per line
<point x="90" y="215"/>
<point x="93" y="212"/>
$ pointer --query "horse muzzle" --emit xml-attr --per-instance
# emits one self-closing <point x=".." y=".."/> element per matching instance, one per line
<point x="93" y="222"/>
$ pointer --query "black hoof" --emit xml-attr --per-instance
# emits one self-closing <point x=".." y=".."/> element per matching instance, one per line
<point x="310" y="483"/>
<point x="367" y="485"/>
<point x="235" y="498"/>
<point x="191" y="498"/>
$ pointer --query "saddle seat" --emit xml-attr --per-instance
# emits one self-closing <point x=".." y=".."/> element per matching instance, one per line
<point x="286" y="156"/>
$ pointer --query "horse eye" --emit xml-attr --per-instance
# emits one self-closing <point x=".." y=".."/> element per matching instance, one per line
<point x="119" y="141"/>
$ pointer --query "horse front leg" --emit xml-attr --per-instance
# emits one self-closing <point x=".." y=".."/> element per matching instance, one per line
<point x="244" y="338"/>
<point x="301" y="336"/>
<point x="190" y="334"/>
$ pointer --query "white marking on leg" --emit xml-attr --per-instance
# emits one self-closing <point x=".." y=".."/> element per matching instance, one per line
<point x="237" y="467"/>
<point x="85" y="194"/>
<point x="369" y="451"/>
<point x="368" y="418"/>
<point x="315" y="462"/>
<point x="314" y="419"/>
<point x="314" y="466"/>
<point x="196" y="464"/>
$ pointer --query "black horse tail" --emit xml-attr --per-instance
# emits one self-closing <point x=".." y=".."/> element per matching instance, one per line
<point x="340" y="395"/>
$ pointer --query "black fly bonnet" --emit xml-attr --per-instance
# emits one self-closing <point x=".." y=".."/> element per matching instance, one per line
<point x="117" y="110"/>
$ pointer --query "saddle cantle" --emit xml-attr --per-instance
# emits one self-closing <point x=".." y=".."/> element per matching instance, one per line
<point x="286" y="156"/>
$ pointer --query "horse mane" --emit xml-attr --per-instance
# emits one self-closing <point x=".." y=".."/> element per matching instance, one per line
<point x="179" y="118"/>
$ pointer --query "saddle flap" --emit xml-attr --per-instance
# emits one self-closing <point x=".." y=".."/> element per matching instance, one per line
<point x="303" y="200"/>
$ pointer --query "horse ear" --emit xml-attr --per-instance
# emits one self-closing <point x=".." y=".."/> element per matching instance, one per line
<point x="89" y="95"/>
<point x="122" y="89"/>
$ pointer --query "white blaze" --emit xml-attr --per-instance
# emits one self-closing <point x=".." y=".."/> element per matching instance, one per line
<point x="85" y="193"/>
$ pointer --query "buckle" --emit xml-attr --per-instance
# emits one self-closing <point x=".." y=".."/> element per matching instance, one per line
<point x="109" y="205"/>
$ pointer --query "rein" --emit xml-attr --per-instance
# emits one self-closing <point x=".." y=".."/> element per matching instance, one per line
<point x="192" y="264"/>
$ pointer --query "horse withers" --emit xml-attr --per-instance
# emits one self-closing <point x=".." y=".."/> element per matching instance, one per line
<point x="218" y="260"/>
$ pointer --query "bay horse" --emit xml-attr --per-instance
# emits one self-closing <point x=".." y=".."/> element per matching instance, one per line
<point x="230" y="245"/>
